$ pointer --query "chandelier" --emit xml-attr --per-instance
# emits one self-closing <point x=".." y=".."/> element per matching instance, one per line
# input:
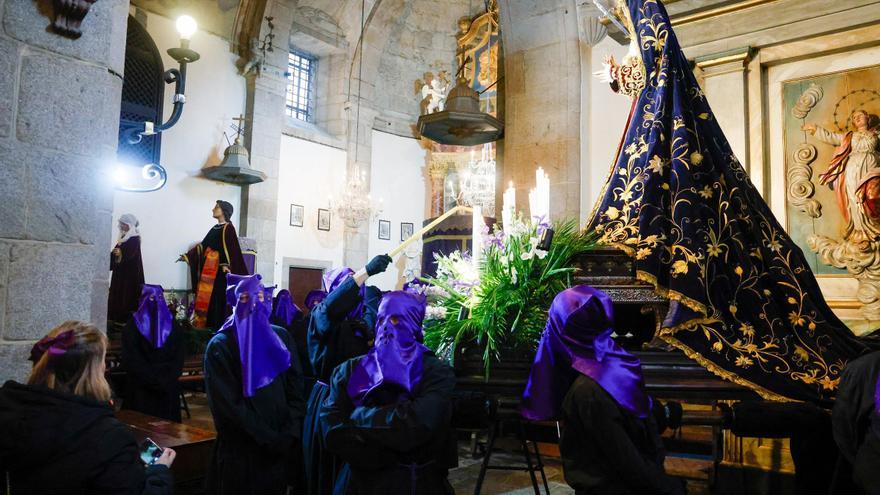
<point x="355" y="206"/>
<point x="478" y="181"/>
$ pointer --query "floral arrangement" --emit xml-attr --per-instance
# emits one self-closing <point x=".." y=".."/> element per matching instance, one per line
<point x="501" y="301"/>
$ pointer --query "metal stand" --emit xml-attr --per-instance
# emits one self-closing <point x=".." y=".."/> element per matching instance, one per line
<point x="530" y="467"/>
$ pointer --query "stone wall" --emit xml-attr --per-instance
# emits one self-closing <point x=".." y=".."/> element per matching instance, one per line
<point x="59" y="117"/>
<point x="542" y="67"/>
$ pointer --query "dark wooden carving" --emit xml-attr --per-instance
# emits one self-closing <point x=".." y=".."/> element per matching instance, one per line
<point x="69" y="15"/>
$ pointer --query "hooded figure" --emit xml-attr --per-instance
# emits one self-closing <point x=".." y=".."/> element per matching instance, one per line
<point x="254" y="386"/>
<point x="855" y="421"/>
<point x="153" y="350"/>
<point x="611" y="442"/>
<point x="866" y="471"/>
<point x="128" y="271"/>
<point x="743" y="300"/>
<point x="286" y="314"/>
<point x="388" y="412"/>
<point x="340" y="328"/>
<point x="314" y="298"/>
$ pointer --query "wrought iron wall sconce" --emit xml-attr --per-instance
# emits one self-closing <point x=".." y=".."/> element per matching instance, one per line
<point x="134" y="131"/>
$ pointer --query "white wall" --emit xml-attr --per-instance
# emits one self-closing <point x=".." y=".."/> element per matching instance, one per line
<point x="175" y="217"/>
<point x="605" y="113"/>
<point x="308" y="174"/>
<point x="399" y="180"/>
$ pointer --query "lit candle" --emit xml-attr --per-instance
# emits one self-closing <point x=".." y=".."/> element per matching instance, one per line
<point x="477" y="236"/>
<point x="508" y="208"/>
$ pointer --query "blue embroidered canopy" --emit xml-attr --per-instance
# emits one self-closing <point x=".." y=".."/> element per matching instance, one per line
<point x="743" y="301"/>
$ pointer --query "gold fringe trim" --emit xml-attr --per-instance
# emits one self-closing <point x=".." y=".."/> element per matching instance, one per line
<point x="723" y="373"/>
<point x="667" y="334"/>
<point x="671" y="294"/>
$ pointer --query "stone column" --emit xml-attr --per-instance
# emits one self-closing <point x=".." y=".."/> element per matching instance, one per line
<point x="542" y="66"/>
<point x="265" y="111"/>
<point x="724" y="80"/>
<point x="437" y="174"/>
<point x="59" y="119"/>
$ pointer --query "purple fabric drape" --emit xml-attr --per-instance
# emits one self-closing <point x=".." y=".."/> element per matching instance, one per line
<point x="314" y="298"/>
<point x="262" y="353"/>
<point x="577" y="339"/>
<point x="153" y="318"/>
<point x="285" y="310"/>
<point x="395" y="362"/>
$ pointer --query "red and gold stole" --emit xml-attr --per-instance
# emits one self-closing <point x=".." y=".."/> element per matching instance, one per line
<point x="206" y="287"/>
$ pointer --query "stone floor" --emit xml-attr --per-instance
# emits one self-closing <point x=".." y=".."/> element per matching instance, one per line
<point x="464" y="478"/>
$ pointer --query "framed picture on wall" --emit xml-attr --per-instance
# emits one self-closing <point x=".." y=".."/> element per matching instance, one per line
<point x="297" y="212"/>
<point x="406" y="231"/>
<point x="385" y="230"/>
<point x="323" y="219"/>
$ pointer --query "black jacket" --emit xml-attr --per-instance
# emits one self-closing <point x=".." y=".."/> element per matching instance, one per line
<point x="57" y="443"/>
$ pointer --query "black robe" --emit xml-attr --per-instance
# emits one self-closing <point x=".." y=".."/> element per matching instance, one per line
<point x="406" y="447"/>
<point x="332" y="340"/>
<point x="298" y="330"/>
<point x="151" y="384"/>
<point x="258" y="437"/>
<point x="866" y="471"/>
<point x="224" y="240"/>
<point x="608" y="451"/>
<point x="126" y="282"/>
<point x="851" y="419"/>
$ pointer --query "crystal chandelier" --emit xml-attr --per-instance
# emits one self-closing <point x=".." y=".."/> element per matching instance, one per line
<point x="355" y="206"/>
<point x="478" y="181"/>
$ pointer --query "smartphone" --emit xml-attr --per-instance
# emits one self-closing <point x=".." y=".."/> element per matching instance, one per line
<point x="150" y="452"/>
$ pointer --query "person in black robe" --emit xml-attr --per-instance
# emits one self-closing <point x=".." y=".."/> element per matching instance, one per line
<point x="340" y="328"/>
<point x="866" y="468"/>
<point x="254" y="386"/>
<point x="153" y="350"/>
<point x="209" y="262"/>
<point x="128" y="271"/>
<point x="388" y="413"/>
<point x="287" y="315"/>
<point x="855" y="424"/>
<point x="611" y="443"/>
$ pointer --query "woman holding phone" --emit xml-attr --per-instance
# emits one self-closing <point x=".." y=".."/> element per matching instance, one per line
<point x="58" y="433"/>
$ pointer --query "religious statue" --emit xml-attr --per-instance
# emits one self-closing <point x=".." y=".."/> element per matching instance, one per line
<point x="433" y="90"/>
<point x="128" y="271"/>
<point x="854" y="175"/>
<point x="218" y="254"/>
<point x="743" y="301"/>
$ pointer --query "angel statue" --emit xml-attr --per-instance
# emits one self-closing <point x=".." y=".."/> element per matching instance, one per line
<point x="854" y="175"/>
<point x="433" y="90"/>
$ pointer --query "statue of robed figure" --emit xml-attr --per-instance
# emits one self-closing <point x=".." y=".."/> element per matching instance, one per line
<point x="209" y="261"/>
<point x="743" y="301"/>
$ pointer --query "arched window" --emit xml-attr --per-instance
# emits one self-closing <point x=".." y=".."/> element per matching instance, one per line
<point x="143" y="90"/>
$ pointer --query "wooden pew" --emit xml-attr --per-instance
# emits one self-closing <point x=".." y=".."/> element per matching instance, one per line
<point x="193" y="445"/>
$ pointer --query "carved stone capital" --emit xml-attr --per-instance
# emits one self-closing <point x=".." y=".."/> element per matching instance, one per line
<point x="437" y="169"/>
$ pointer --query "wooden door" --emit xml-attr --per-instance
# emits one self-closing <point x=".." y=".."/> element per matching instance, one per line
<point x="302" y="281"/>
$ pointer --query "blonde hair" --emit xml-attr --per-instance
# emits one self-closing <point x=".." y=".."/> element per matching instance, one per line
<point x="80" y="370"/>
